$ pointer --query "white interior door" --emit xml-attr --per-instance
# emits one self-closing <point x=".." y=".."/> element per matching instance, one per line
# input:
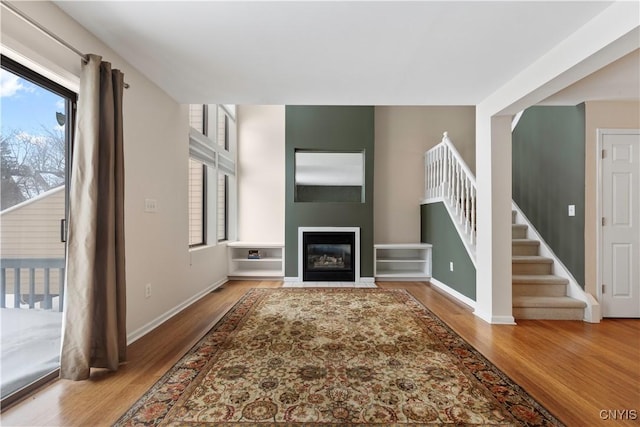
<point x="620" y="238"/>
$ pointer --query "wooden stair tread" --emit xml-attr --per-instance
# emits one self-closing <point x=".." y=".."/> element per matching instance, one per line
<point x="538" y="279"/>
<point x="547" y="302"/>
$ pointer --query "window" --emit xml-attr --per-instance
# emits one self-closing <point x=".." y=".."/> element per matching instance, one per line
<point x="197" y="202"/>
<point x="198" y="118"/>
<point x="211" y="174"/>
<point x="197" y="181"/>
<point x="223" y="207"/>
<point x="223" y="129"/>
<point x="36" y="132"/>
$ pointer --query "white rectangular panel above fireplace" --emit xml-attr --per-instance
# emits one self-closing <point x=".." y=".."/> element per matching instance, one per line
<point x="329" y="254"/>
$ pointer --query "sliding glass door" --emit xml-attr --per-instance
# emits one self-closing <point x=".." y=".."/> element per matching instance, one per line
<point x="36" y="128"/>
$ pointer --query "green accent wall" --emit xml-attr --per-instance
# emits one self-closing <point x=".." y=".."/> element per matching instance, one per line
<point x="339" y="128"/>
<point x="319" y="193"/>
<point x="549" y="174"/>
<point x="437" y="228"/>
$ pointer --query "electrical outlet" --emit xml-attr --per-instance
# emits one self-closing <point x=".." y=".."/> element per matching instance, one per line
<point x="450" y="265"/>
<point x="147" y="290"/>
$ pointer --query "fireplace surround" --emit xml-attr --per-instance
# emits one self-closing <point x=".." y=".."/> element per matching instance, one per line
<point x="329" y="254"/>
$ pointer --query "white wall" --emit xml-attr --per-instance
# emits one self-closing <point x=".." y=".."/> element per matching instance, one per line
<point x="156" y="161"/>
<point x="261" y="173"/>
<point x="402" y="135"/>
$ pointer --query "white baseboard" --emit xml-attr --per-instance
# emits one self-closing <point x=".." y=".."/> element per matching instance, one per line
<point x="495" y="320"/>
<point x="449" y="290"/>
<point x="292" y="279"/>
<point x="145" y="329"/>
<point x="367" y="280"/>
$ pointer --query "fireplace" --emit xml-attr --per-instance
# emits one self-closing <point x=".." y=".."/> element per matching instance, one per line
<point x="329" y="254"/>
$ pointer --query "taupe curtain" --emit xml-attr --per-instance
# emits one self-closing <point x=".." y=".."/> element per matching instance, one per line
<point x="94" y="329"/>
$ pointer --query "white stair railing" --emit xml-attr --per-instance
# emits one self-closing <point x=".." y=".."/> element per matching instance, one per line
<point x="448" y="179"/>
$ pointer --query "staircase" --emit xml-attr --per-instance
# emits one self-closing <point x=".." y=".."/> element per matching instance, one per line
<point x="537" y="292"/>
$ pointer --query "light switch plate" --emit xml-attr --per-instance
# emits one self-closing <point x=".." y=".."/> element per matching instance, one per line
<point x="150" y="205"/>
<point x="572" y="210"/>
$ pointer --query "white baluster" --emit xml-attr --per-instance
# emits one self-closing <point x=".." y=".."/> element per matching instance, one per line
<point x="438" y="171"/>
<point x="443" y="171"/>
<point x="436" y="167"/>
<point x="431" y="174"/>
<point x="452" y="183"/>
<point x="450" y="179"/>
<point x="469" y="206"/>
<point x="424" y="179"/>
<point x="454" y="197"/>
<point x="461" y="197"/>
<point x="427" y="183"/>
<point x="465" y="207"/>
<point x="458" y="190"/>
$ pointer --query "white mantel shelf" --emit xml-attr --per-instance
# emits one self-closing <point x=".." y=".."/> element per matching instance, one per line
<point x="402" y="261"/>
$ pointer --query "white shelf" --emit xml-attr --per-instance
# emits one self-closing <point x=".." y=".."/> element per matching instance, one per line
<point x="253" y="245"/>
<point x="398" y="274"/>
<point x="270" y="264"/>
<point x="254" y="273"/>
<point x="402" y="261"/>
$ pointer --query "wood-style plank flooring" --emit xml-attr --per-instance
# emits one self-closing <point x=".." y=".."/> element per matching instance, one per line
<point x="575" y="369"/>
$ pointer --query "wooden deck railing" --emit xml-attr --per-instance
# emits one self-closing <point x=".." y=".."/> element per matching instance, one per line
<point x="34" y="282"/>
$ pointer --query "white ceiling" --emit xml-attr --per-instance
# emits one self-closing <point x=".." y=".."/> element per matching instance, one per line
<point x="334" y="52"/>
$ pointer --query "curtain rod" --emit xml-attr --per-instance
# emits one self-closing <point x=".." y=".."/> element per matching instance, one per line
<point x="48" y="33"/>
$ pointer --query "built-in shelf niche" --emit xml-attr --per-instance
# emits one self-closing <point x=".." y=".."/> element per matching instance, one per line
<point x="402" y="261"/>
<point x="329" y="176"/>
<point x="256" y="260"/>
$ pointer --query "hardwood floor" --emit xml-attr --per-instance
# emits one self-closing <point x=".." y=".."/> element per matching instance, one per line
<point x="575" y="369"/>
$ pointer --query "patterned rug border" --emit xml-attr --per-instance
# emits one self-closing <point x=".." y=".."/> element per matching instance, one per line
<point x="232" y="319"/>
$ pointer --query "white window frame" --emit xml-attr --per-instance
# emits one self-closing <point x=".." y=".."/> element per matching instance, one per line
<point x="206" y="149"/>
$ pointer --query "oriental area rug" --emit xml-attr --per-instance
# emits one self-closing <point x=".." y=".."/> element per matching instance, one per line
<point x="341" y="356"/>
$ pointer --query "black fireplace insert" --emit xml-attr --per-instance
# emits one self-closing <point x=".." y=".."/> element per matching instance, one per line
<point x="328" y="256"/>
